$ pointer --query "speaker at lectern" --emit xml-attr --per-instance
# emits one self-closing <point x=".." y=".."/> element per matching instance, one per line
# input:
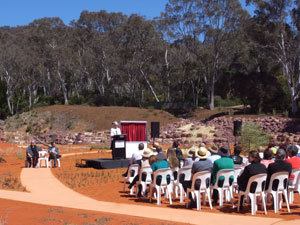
<point x="119" y="147"/>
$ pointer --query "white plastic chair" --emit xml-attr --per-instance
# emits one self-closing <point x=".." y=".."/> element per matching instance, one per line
<point x="43" y="157"/>
<point x="226" y="187"/>
<point x="294" y="185"/>
<point x="133" y="168"/>
<point x="238" y="169"/>
<point x="282" y="177"/>
<point x="164" y="184"/>
<point x="174" y="181"/>
<point x="204" y="188"/>
<point x="260" y="179"/>
<point x="52" y="162"/>
<point x="187" y="172"/>
<point x="144" y="170"/>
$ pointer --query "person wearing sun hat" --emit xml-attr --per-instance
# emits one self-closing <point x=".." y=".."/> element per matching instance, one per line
<point x="214" y="154"/>
<point x="192" y="157"/>
<point x="202" y="165"/>
<point x="144" y="162"/>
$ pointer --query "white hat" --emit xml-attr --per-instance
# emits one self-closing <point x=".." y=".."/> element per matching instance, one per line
<point x="116" y="123"/>
<point x="203" y="153"/>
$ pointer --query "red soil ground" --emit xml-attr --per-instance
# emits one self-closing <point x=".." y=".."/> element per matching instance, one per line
<point x="106" y="186"/>
<point x="16" y="213"/>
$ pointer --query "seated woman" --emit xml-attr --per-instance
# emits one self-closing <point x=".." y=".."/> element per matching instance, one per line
<point x="157" y="164"/>
<point x="254" y="168"/>
<point x="173" y="161"/>
<point x="268" y="154"/>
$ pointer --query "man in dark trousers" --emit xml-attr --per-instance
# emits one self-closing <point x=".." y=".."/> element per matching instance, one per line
<point x="32" y="154"/>
<point x="278" y="166"/>
<point x="53" y="153"/>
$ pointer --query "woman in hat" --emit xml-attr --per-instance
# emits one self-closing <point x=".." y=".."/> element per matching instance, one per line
<point x="192" y="156"/>
<point x="214" y="154"/>
<point x="144" y="162"/>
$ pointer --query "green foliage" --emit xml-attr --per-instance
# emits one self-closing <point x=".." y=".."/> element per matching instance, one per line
<point x="253" y="136"/>
<point x="220" y="102"/>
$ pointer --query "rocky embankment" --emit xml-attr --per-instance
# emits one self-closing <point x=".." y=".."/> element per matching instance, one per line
<point x="188" y="132"/>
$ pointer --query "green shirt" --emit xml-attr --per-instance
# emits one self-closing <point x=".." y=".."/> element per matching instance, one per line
<point x="221" y="164"/>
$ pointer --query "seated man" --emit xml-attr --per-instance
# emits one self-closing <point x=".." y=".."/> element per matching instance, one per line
<point x="278" y="166"/>
<point x="237" y="159"/>
<point x="135" y="158"/>
<point x="32" y="154"/>
<point x="198" y="166"/>
<point x="223" y="163"/>
<point x="53" y="153"/>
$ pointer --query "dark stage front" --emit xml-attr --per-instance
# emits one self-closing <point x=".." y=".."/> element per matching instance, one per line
<point x="107" y="163"/>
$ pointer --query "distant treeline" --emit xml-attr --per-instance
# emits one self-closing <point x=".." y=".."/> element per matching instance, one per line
<point x="198" y="53"/>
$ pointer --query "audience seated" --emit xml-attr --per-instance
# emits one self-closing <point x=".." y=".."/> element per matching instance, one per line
<point x="237" y="159"/>
<point x="32" y="154"/>
<point x="292" y="151"/>
<point x="157" y="164"/>
<point x="178" y="153"/>
<point x="214" y="154"/>
<point x="267" y="159"/>
<point x="223" y="163"/>
<point x="53" y="153"/>
<point x="135" y="157"/>
<point x="202" y="165"/>
<point x="172" y="159"/>
<point x="191" y="156"/>
<point x="279" y="165"/>
<point x="144" y="162"/>
<point x="254" y="168"/>
<point x="160" y="155"/>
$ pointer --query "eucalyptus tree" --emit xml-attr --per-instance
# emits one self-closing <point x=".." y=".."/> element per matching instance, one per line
<point x="9" y="68"/>
<point x="50" y="36"/>
<point x="99" y="41"/>
<point x="208" y="28"/>
<point x="139" y="53"/>
<point x="275" y="28"/>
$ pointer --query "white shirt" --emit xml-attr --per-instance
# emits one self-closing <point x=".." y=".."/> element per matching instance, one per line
<point x="115" y="131"/>
<point x="213" y="158"/>
<point x="136" y="156"/>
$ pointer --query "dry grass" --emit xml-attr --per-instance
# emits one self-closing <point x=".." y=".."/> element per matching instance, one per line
<point x="75" y="177"/>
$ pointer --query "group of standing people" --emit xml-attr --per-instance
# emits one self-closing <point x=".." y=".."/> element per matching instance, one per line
<point x="32" y="154"/>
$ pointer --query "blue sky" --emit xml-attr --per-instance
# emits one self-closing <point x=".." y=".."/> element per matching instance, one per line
<point x="22" y="12"/>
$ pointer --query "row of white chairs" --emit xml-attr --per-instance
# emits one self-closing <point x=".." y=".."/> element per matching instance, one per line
<point x="226" y="191"/>
<point x="43" y="157"/>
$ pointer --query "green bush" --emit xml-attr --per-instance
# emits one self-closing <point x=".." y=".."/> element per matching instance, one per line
<point x="253" y="136"/>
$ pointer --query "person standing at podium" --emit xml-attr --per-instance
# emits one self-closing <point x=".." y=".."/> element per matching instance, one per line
<point x="115" y="130"/>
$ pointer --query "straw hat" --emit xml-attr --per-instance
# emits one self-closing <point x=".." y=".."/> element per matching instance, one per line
<point x="147" y="153"/>
<point x="115" y="123"/>
<point x="154" y="146"/>
<point x="213" y="149"/>
<point x="193" y="150"/>
<point x="203" y="153"/>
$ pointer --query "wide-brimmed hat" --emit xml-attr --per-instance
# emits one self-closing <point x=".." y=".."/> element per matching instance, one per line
<point x="224" y="151"/>
<point x="203" y="153"/>
<point x="115" y="123"/>
<point x="213" y="149"/>
<point x="154" y="145"/>
<point x="147" y="153"/>
<point x="192" y="150"/>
